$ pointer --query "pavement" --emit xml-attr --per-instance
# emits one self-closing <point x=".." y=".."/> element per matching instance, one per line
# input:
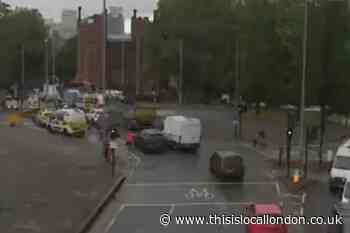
<point x="50" y="183"/>
<point x="319" y="200"/>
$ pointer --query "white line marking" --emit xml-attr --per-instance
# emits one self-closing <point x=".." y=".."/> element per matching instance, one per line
<point x="278" y="189"/>
<point x="148" y="205"/>
<point x="171" y="211"/>
<point x="114" y="218"/>
<point x="303" y="198"/>
<point x="185" y="204"/>
<point x="138" y="162"/>
<point x="198" y="183"/>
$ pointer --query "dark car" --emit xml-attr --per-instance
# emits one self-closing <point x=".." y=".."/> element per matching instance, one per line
<point x="342" y="210"/>
<point x="227" y="164"/>
<point x="151" y="140"/>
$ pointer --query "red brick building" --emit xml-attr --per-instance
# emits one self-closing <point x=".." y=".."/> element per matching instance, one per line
<point x="124" y="55"/>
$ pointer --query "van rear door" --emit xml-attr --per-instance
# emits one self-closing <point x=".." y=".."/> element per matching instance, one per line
<point x="191" y="133"/>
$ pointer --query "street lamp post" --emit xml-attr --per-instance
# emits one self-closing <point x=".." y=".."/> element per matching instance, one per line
<point x="78" y="41"/>
<point x="22" y="76"/>
<point x="103" y="58"/>
<point x="303" y="79"/>
<point x="237" y="95"/>
<point x="53" y="45"/>
<point x="46" y="62"/>
<point x="181" y="63"/>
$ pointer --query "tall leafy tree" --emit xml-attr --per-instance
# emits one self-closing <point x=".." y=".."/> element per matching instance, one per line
<point x="66" y="61"/>
<point x="22" y="28"/>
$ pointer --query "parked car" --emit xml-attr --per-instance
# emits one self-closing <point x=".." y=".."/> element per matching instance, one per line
<point x="341" y="210"/>
<point x="227" y="164"/>
<point x="151" y="140"/>
<point x="265" y="209"/>
<point x="69" y="122"/>
<point x="182" y="132"/>
<point x="340" y="170"/>
<point x="11" y="103"/>
<point x="42" y="118"/>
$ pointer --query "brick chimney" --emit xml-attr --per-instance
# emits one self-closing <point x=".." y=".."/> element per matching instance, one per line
<point x="134" y="23"/>
<point x="155" y="16"/>
<point x="79" y="15"/>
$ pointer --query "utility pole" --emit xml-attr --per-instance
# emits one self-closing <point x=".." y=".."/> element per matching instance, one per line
<point x="53" y="45"/>
<point x="123" y="65"/>
<point x="78" y="40"/>
<point x="237" y="87"/>
<point x="22" y="76"/>
<point x="302" y="102"/>
<point x="181" y="63"/>
<point x="237" y="95"/>
<point x="137" y="57"/>
<point x="46" y="62"/>
<point x="103" y="58"/>
<point x="45" y="90"/>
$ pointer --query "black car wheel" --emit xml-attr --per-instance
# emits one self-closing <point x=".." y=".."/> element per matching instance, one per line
<point x="332" y="189"/>
<point x="50" y="129"/>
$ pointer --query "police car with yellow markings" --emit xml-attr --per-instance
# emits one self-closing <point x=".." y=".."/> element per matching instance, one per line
<point x="69" y="122"/>
<point x="42" y="118"/>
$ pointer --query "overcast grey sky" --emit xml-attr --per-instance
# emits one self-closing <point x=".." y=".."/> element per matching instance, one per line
<point x="53" y="8"/>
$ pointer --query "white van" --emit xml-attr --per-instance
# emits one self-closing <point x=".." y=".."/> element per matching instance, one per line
<point x="340" y="171"/>
<point x="183" y="132"/>
<point x="346" y="193"/>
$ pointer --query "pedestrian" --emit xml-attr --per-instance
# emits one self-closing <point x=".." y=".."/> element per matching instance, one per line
<point x="130" y="138"/>
<point x="154" y="96"/>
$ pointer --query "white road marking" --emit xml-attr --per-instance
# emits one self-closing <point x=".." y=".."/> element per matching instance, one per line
<point x="114" y="218"/>
<point x="138" y="162"/>
<point x="194" y="193"/>
<point x="303" y="198"/>
<point x="302" y="204"/>
<point x="171" y="211"/>
<point x="184" y="204"/>
<point x="278" y="189"/>
<point x="198" y="183"/>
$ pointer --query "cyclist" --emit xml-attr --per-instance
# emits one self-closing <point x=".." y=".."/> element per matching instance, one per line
<point x="113" y="145"/>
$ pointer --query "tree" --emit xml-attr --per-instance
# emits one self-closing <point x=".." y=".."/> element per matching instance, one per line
<point x="271" y="38"/>
<point x="26" y="28"/>
<point x="207" y="45"/>
<point x="4" y="9"/>
<point x="66" y="61"/>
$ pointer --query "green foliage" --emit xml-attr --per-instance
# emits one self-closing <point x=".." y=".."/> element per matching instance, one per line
<point x="21" y="27"/>
<point x="271" y="38"/>
<point x="66" y="61"/>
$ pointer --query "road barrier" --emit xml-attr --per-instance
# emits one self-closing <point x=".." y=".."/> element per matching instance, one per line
<point x="88" y="223"/>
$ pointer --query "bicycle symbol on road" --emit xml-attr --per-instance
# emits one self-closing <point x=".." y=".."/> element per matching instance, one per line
<point x="199" y="194"/>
